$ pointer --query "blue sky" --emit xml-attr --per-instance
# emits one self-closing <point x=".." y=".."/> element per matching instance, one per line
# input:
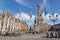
<point x="15" y="6"/>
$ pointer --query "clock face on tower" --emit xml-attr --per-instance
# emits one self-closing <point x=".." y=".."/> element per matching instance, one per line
<point x="40" y="14"/>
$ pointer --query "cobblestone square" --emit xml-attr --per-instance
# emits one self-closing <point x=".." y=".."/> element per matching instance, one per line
<point x="27" y="37"/>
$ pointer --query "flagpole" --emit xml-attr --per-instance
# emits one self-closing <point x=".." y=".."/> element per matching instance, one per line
<point x="45" y="11"/>
<point x="44" y="4"/>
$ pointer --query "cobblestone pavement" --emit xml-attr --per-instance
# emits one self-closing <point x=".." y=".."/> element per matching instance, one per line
<point x="27" y="37"/>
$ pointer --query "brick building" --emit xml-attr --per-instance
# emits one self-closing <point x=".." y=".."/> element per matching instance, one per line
<point x="24" y="26"/>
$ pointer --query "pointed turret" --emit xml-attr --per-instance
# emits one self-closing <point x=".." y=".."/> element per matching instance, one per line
<point x="20" y="15"/>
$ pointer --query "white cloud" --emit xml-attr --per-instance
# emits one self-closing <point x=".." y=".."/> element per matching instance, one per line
<point x="47" y="20"/>
<point x="59" y="16"/>
<point x="26" y="17"/>
<point x="29" y="21"/>
<point x="16" y="16"/>
<point x="47" y="16"/>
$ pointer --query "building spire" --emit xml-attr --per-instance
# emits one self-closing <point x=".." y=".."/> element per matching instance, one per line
<point x="20" y="15"/>
<point x="7" y="12"/>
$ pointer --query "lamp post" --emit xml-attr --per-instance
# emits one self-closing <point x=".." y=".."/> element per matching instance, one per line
<point x="34" y="26"/>
<point x="35" y="23"/>
<point x="53" y="18"/>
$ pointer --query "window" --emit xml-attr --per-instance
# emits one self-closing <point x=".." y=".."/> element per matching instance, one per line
<point x="40" y="23"/>
<point x="40" y="14"/>
<point x="15" y="20"/>
<point x="1" y="23"/>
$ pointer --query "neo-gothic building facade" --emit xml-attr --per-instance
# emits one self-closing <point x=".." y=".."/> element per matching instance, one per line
<point x="8" y="23"/>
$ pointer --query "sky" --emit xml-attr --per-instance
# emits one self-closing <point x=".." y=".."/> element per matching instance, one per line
<point x="24" y="6"/>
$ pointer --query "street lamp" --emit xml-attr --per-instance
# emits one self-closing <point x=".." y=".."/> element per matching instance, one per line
<point x="53" y="18"/>
<point x="35" y="21"/>
<point x="35" y="24"/>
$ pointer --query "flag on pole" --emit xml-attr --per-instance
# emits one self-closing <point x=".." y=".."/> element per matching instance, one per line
<point x="45" y="11"/>
<point x="30" y="13"/>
